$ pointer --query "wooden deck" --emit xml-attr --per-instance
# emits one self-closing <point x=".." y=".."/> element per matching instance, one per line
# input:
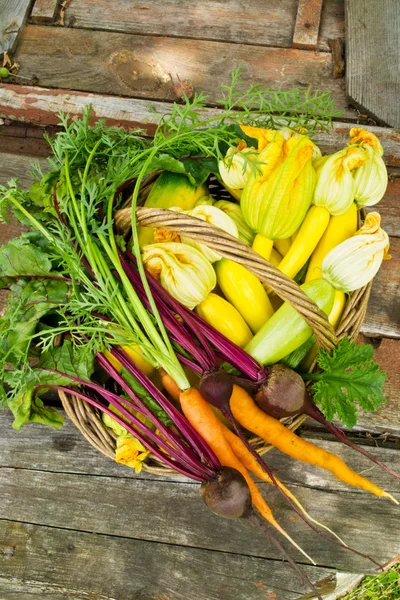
<point x="75" y="525"/>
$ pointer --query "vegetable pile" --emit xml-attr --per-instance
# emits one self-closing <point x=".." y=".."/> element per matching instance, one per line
<point x="181" y="350"/>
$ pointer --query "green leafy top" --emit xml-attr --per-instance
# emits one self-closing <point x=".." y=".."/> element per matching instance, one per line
<point x="349" y="378"/>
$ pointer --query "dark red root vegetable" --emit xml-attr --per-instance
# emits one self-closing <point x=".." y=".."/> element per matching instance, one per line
<point x="284" y="394"/>
<point x="227" y="495"/>
<point x="216" y="387"/>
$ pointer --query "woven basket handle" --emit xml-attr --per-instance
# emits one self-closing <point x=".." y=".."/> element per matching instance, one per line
<point x="230" y="247"/>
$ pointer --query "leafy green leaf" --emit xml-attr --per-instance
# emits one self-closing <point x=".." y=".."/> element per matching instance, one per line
<point x="20" y="257"/>
<point x="349" y="378"/>
<point x="27" y="303"/>
<point x="68" y="360"/>
<point x="27" y="407"/>
<point x="71" y="359"/>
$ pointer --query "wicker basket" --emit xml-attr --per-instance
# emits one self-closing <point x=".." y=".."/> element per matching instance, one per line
<point x="88" y="419"/>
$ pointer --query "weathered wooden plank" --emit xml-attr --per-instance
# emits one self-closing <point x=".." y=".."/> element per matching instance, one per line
<point x="383" y="314"/>
<point x="387" y="418"/>
<point x="13" y="14"/>
<point x="44" y="11"/>
<point x="267" y="23"/>
<point x="146" y="67"/>
<point x="66" y="451"/>
<point x="56" y="564"/>
<point x="389" y="208"/>
<point x="17" y="166"/>
<point x="306" y="28"/>
<point x="173" y="513"/>
<point x="131" y="507"/>
<point x="372" y="56"/>
<point x="41" y="106"/>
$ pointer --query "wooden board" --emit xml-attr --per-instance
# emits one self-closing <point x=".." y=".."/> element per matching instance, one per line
<point x="267" y="23"/>
<point x="41" y="106"/>
<point x="306" y="28"/>
<point x="44" y="11"/>
<point x="42" y="490"/>
<point x="383" y="314"/>
<point x="13" y="14"/>
<point x="372" y="57"/>
<point x="55" y="564"/>
<point x="147" y="67"/>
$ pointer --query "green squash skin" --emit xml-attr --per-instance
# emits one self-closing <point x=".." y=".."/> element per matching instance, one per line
<point x="286" y="330"/>
<point x="174" y="189"/>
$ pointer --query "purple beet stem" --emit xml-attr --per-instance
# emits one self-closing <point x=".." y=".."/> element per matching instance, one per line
<point x="181" y="422"/>
<point x="195" y="466"/>
<point x="205" y="332"/>
<point x="188" y="452"/>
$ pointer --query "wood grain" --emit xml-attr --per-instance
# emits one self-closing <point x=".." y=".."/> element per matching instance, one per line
<point x="131" y="507"/>
<point x="173" y="513"/>
<point x="40" y="106"/>
<point x="55" y="564"/>
<point x="44" y="11"/>
<point x="146" y="67"/>
<point x="306" y="28"/>
<point x="267" y="23"/>
<point x="66" y="451"/>
<point x="383" y="314"/>
<point x="372" y="56"/>
<point x="13" y="14"/>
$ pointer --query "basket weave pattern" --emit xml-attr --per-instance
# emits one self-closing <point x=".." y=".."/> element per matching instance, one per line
<point x="88" y="419"/>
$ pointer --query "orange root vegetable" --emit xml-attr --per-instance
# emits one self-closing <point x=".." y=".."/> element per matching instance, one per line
<point x="170" y="385"/>
<point x="248" y="460"/>
<point x="201" y="416"/>
<point x="247" y="413"/>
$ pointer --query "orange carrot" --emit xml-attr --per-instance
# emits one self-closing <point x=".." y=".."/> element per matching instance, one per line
<point x="249" y="461"/>
<point x="247" y="413"/>
<point x="169" y="384"/>
<point x="200" y="415"/>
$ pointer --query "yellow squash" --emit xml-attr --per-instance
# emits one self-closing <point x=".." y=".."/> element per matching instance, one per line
<point x="135" y="354"/>
<point x="310" y="232"/>
<point x="245" y="291"/>
<point x="339" y="229"/>
<point x="224" y="317"/>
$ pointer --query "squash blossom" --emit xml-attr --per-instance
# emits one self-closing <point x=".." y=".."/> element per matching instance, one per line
<point x="355" y="262"/>
<point x="335" y="187"/>
<point x="182" y="270"/>
<point x="234" y="211"/>
<point x="275" y="201"/>
<point x="236" y="167"/>
<point x="129" y="450"/>
<point x="371" y="178"/>
<point x="213" y="216"/>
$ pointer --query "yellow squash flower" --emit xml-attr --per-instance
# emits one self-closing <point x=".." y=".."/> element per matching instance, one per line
<point x="181" y="269"/>
<point x="335" y="188"/>
<point x="355" y="262"/>
<point x="237" y="166"/>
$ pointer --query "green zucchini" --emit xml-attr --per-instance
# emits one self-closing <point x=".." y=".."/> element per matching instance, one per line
<point x="286" y="330"/>
<point x="174" y="189"/>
